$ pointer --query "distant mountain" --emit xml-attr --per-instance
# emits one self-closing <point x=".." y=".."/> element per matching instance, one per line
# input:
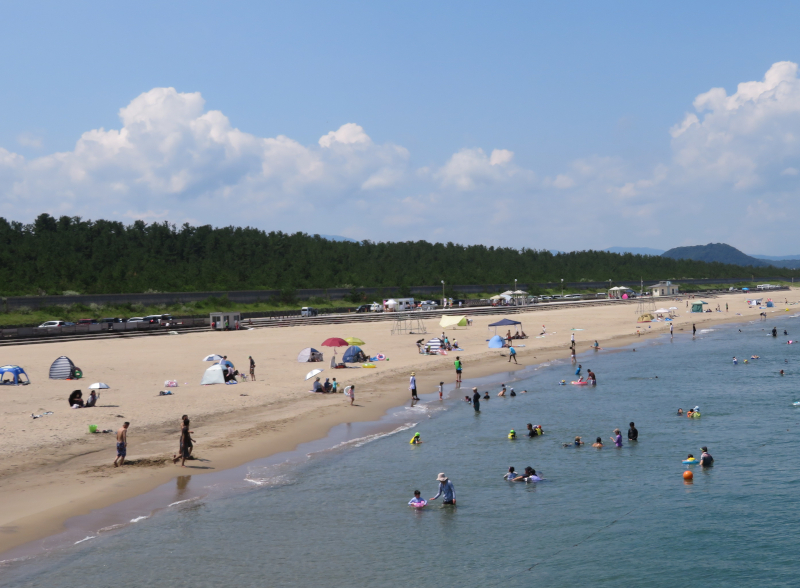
<point x="337" y="238"/>
<point x="719" y="252"/>
<point x="636" y="250"/>
<point x="778" y="257"/>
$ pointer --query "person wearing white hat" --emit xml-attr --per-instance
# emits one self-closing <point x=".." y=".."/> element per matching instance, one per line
<point x="412" y="385"/>
<point x="446" y="488"/>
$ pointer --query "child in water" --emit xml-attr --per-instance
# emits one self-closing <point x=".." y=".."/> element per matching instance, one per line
<point x="512" y="393"/>
<point x="417" y="499"/>
<point x="691" y="458"/>
<point x="415" y="440"/>
<point x="441" y="389"/>
<point x="577" y="442"/>
<point x="511" y="474"/>
<point x="512" y="434"/>
<point x="680" y="412"/>
<point x="486" y="395"/>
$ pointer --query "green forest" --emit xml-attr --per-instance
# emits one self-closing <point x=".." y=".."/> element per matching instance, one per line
<point x="68" y="254"/>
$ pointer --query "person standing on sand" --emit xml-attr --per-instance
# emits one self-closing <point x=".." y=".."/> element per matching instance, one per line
<point x="186" y="444"/>
<point x="512" y="354"/>
<point x="252" y="368"/>
<point x="476" y="400"/>
<point x="122" y="444"/>
<point x="459" y="367"/>
<point x="412" y="385"/>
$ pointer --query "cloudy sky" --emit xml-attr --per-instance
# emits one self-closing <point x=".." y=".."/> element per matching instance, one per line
<point x="543" y="125"/>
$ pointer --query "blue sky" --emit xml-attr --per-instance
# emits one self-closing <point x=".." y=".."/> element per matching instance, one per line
<point x="578" y="100"/>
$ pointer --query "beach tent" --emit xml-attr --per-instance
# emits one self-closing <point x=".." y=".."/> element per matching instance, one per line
<point x="645" y="318"/>
<point x="350" y="354"/>
<point x="64" y="369"/>
<point x="496" y="342"/>
<point x="309" y="354"/>
<point x="698" y="306"/>
<point x="14" y="375"/>
<point x="435" y="344"/>
<point x="213" y="375"/>
<point x="453" y="321"/>
<point x="505" y="323"/>
<point x="770" y="304"/>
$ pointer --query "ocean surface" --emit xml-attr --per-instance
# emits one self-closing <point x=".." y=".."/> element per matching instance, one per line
<point x="337" y="516"/>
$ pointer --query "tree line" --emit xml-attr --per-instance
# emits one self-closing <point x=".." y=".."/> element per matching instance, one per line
<point x="56" y="255"/>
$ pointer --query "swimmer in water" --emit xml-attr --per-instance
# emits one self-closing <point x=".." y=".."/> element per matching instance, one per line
<point x="512" y="434"/>
<point x="577" y="442"/>
<point x="415" y="440"/>
<point x="531" y="475"/>
<point x="417" y="498"/>
<point x="502" y="391"/>
<point x="524" y="392"/>
<point x="680" y="412"/>
<point x="512" y="393"/>
<point x="562" y="383"/>
<point x="735" y="361"/>
<point x="467" y="399"/>
<point x="486" y="395"/>
<point x="511" y="474"/>
<point x="532" y="432"/>
<point x="598" y="443"/>
<point x="691" y="458"/>
<point x="782" y="373"/>
<point x="689" y="413"/>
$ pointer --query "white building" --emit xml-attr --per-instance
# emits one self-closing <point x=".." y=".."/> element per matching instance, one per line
<point x="664" y="289"/>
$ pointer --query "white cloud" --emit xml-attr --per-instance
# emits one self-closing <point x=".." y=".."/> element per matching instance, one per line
<point x="28" y="139"/>
<point x="470" y="169"/>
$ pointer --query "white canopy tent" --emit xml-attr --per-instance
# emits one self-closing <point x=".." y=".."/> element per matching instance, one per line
<point x="213" y="375"/>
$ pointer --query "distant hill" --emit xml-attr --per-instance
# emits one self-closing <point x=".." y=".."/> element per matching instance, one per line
<point x="778" y="257"/>
<point x="635" y="250"/>
<point x="719" y="252"/>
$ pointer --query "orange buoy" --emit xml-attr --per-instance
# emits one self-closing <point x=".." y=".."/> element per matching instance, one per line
<point x="688" y="475"/>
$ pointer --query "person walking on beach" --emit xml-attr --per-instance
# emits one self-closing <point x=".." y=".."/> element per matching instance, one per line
<point x="122" y="444"/>
<point x="572" y="341"/>
<point x="187" y="443"/>
<point x="412" y="385"/>
<point x="459" y="367"/>
<point x="446" y="488"/>
<point x="252" y="368"/>
<point x="476" y="400"/>
<point x="512" y="354"/>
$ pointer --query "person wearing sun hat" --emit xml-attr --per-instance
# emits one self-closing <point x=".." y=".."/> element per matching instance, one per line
<point x="446" y="488"/>
<point x="412" y="385"/>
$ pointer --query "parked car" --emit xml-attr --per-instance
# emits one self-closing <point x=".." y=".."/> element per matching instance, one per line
<point x="375" y="307"/>
<point x="459" y="302"/>
<point x="87" y="322"/>
<point x="158" y="319"/>
<point x="364" y="308"/>
<point x="50" y="324"/>
<point x="135" y="319"/>
<point x="308" y="311"/>
<point x="545" y="297"/>
<point x="111" y="320"/>
<point x="427" y="305"/>
<point x="572" y="296"/>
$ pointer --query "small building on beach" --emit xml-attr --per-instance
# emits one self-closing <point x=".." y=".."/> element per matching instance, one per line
<point x="664" y="289"/>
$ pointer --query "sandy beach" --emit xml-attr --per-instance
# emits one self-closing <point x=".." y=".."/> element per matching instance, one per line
<point x="52" y="468"/>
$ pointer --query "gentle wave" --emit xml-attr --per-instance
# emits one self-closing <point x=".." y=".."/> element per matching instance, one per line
<point x="86" y="539"/>
<point x="182" y="501"/>
<point x="141" y="518"/>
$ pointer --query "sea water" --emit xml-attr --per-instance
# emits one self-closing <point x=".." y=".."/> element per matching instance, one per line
<point x="607" y="517"/>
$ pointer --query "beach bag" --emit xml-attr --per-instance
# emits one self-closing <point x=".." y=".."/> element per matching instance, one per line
<point x="171" y="384"/>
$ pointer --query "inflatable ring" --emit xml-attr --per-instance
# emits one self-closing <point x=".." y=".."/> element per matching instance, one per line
<point x="368" y="365"/>
<point x="579" y="383"/>
<point x="691" y="461"/>
<point x="420" y="504"/>
<point x="380" y="357"/>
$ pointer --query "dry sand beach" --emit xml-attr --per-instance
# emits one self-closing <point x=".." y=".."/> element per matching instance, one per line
<point x="52" y="468"/>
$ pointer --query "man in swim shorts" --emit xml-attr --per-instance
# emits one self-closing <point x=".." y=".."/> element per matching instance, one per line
<point x="122" y="444"/>
<point x="252" y="369"/>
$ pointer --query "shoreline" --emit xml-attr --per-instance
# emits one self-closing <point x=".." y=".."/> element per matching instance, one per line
<point x="278" y="435"/>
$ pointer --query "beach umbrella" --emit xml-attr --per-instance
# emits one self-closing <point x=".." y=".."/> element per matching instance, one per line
<point x="213" y="357"/>
<point x="354" y="341"/>
<point x="312" y="373"/>
<point x="99" y="386"/>
<point x="335" y="342"/>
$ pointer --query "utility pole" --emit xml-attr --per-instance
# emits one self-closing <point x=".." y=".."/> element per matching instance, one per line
<point x="562" y="287"/>
<point x="444" y="300"/>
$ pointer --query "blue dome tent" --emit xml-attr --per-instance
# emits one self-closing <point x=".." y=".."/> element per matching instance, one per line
<point x="352" y="354"/>
<point x="496" y="342"/>
<point x="14" y="375"/>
